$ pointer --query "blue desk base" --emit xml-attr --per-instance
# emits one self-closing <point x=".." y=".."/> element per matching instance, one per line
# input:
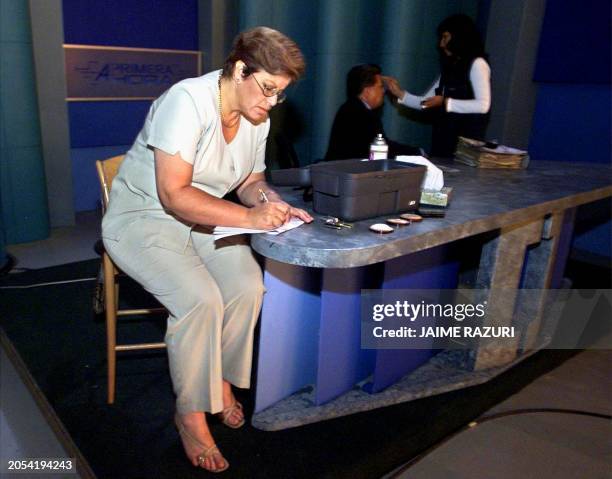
<point x="310" y="326"/>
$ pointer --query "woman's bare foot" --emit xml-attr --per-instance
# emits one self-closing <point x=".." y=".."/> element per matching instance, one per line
<point x="198" y="442"/>
<point x="232" y="416"/>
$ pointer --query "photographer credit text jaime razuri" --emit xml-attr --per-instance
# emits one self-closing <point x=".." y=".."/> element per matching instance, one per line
<point x="428" y="319"/>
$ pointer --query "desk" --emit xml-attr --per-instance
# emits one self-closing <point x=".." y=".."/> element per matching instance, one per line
<point x="309" y="343"/>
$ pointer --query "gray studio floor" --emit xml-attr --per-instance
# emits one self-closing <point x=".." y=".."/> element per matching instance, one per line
<point x="536" y="445"/>
<point x="26" y="431"/>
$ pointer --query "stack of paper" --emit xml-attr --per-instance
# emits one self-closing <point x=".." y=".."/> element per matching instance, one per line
<point x="225" y="231"/>
<point x="476" y="153"/>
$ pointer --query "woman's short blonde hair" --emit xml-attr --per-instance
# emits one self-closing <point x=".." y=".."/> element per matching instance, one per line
<point x="264" y="48"/>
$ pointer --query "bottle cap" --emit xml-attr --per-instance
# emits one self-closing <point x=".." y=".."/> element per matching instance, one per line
<point x="379" y="140"/>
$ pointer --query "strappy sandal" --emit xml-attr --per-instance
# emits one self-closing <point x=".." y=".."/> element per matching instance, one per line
<point x="207" y="452"/>
<point x="227" y="413"/>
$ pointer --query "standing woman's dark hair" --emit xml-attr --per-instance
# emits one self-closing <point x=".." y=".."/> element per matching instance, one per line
<point x="466" y="42"/>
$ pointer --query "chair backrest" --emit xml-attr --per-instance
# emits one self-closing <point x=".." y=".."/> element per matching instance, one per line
<point x="107" y="170"/>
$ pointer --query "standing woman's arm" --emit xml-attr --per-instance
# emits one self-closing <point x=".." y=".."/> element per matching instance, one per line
<point x="406" y="98"/>
<point x="480" y="78"/>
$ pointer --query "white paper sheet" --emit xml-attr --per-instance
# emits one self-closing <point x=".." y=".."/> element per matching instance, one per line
<point x="225" y="231"/>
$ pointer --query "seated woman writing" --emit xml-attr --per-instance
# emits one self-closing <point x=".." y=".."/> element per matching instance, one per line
<point x="203" y="138"/>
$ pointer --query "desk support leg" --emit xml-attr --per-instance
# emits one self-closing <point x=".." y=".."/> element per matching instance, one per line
<point x="499" y="276"/>
<point x="543" y="262"/>
<point x="341" y="361"/>
<point x="435" y="268"/>
<point x="289" y="332"/>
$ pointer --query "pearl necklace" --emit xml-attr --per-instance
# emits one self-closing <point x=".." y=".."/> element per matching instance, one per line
<point x="223" y="122"/>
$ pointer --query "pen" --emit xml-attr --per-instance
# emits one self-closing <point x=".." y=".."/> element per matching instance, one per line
<point x="263" y="196"/>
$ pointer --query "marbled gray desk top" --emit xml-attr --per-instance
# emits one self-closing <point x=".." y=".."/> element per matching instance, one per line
<point x="482" y="200"/>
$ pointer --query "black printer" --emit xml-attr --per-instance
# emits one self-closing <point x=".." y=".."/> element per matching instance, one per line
<point x="357" y="189"/>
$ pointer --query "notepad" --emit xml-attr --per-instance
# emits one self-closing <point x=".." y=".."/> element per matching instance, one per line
<point x="225" y="231"/>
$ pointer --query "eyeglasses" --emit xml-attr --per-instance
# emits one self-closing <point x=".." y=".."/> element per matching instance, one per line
<point x="269" y="92"/>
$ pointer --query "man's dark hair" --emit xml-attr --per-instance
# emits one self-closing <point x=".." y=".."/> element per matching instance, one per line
<point x="359" y="77"/>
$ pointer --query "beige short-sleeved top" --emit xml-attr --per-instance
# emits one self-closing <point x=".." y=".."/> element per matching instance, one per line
<point x="184" y="119"/>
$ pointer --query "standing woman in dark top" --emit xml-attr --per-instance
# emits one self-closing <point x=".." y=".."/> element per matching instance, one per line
<point x="460" y="98"/>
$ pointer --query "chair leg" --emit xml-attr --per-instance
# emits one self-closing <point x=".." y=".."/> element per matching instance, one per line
<point x="110" y="301"/>
<point x="98" y="299"/>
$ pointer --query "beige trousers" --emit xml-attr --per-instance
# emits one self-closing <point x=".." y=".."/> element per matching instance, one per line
<point x="213" y="292"/>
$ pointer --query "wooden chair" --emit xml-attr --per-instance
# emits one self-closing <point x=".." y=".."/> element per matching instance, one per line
<point x="107" y="169"/>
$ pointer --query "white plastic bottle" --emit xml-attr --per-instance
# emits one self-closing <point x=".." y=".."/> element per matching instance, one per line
<point x="379" y="149"/>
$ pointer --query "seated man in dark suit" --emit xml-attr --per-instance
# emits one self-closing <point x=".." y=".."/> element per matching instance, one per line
<point x="358" y="120"/>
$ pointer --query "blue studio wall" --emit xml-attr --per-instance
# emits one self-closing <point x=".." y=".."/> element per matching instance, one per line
<point x="572" y="120"/>
<point x="103" y="129"/>
<point x="24" y="215"/>
<point x="573" y="74"/>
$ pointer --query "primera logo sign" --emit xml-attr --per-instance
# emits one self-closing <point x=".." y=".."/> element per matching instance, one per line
<point x="115" y="73"/>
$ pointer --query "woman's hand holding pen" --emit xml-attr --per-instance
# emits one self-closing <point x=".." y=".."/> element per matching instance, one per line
<point x="268" y="215"/>
<point x="272" y="212"/>
<point x="273" y="196"/>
